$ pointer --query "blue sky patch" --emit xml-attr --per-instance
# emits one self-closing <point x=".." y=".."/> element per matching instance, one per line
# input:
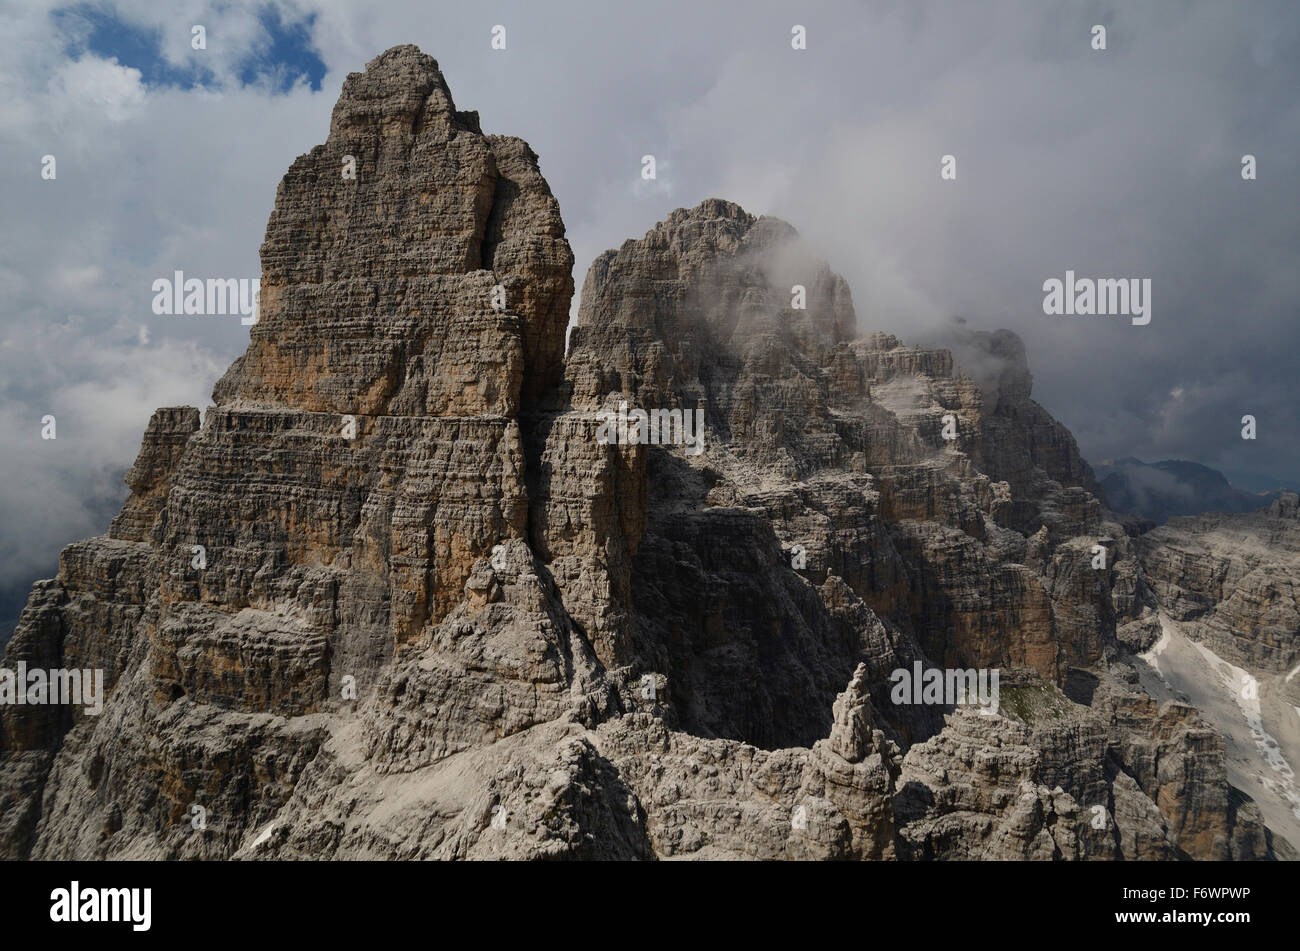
<point x="281" y="57"/>
<point x="289" y="57"/>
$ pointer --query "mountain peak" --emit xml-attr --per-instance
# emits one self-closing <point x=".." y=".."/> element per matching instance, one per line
<point x="412" y="588"/>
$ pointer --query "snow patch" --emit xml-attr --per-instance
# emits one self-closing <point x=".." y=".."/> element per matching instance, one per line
<point x="1152" y="655"/>
<point x="266" y="834"/>
<point x="1244" y="689"/>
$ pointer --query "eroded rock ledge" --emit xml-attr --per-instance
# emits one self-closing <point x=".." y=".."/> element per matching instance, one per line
<point x="437" y="618"/>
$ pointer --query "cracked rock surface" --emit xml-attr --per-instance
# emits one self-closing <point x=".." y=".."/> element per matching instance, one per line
<point x="391" y="597"/>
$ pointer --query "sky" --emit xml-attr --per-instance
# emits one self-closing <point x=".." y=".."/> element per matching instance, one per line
<point x="1115" y="163"/>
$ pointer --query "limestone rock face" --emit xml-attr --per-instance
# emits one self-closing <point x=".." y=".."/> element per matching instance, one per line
<point x="407" y="590"/>
<point x="361" y="457"/>
<point x="834" y="444"/>
<point x="381" y="255"/>
<point x="1119" y="778"/>
<point x="1232" y="581"/>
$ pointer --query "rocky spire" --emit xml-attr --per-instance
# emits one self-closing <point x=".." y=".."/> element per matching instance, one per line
<point x="394" y="598"/>
<point x="412" y="266"/>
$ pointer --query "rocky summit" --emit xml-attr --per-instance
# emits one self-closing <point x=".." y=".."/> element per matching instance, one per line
<point x="395" y="596"/>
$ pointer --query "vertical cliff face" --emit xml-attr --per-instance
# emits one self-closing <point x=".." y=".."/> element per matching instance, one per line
<point x="382" y="253"/>
<point x="361" y="456"/>
<point x="1232" y="580"/>
<point x="400" y="596"/>
<point x="820" y="439"/>
<point x="1228" y="639"/>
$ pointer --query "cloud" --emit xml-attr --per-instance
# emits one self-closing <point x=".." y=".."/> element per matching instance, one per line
<point x="95" y="85"/>
<point x="1123" y="163"/>
<point x="57" y="490"/>
<point x="187" y="44"/>
<point x="148" y="180"/>
<point x="1116" y="163"/>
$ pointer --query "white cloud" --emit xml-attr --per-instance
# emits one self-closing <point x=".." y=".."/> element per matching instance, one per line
<point x="1120" y="165"/>
<point x="102" y="86"/>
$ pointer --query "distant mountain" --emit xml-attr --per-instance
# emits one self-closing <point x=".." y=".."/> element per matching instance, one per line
<point x="1160" y="490"/>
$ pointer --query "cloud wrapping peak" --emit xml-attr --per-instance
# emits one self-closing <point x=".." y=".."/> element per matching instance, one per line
<point x="1116" y="163"/>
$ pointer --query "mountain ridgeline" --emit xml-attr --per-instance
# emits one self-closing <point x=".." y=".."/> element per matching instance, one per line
<point x="437" y="617"/>
<point x="1161" y="490"/>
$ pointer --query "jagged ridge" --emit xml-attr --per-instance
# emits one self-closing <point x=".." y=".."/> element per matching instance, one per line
<point x="607" y="646"/>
